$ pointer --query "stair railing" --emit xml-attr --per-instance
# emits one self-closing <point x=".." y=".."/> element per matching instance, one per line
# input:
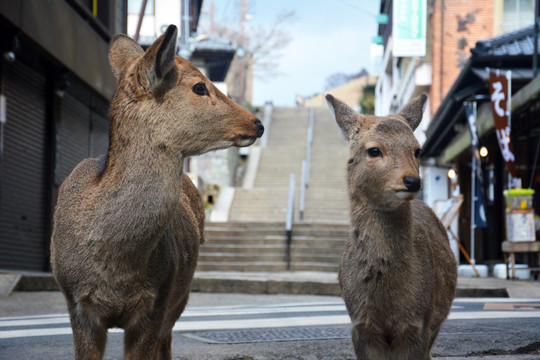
<point x="303" y="186"/>
<point x="289" y="221"/>
<point x="306" y="165"/>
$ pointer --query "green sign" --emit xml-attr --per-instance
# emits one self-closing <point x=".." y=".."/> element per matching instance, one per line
<point x="409" y="28"/>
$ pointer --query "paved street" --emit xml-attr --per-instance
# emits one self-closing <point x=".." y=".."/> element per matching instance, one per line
<point x="229" y="326"/>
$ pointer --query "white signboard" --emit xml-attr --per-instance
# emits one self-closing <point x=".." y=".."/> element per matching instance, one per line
<point x="409" y="28"/>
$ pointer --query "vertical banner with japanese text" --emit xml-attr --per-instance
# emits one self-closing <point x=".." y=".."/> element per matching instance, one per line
<point x="500" y="94"/>
<point x="480" y="219"/>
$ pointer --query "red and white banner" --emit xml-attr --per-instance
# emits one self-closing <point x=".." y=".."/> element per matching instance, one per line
<point x="500" y="94"/>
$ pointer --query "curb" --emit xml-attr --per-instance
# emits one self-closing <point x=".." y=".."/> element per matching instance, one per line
<point x="273" y="287"/>
<point x="10" y="282"/>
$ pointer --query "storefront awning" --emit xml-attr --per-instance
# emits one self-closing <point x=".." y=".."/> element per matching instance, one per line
<point x="485" y="123"/>
<point x="447" y="136"/>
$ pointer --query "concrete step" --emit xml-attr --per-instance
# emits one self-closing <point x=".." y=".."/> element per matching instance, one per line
<point x="265" y="266"/>
<point x="296" y="282"/>
<point x="224" y="257"/>
<point x="245" y="248"/>
<point x="320" y="240"/>
<point x="297" y="256"/>
<point x="261" y="246"/>
<point x="300" y="249"/>
<point x="268" y="266"/>
<point x="315" y="266"/>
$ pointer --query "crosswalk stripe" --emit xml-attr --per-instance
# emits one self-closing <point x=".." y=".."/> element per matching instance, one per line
<point x="234" y="317"/>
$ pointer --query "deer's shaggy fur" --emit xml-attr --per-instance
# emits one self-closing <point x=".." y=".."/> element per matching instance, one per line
<point x="397" y="273"/>
<point x="128" y="225"/>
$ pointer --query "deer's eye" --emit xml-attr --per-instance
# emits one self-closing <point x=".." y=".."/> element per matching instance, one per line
<point x="374" y="152"/>
<point x="418" y="153"/>
<point x="200" y="89"/>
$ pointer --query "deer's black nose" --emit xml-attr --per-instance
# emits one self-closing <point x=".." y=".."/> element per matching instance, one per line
<point x="260" y="127"/>
<point x="412" y="184"/>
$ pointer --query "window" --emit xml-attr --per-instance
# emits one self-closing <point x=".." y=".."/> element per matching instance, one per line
<point x="517" y="14"/>
<point x="134" y="7"/>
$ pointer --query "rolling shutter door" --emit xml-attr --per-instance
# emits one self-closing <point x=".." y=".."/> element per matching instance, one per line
<point x="99" y="135"/>
<point x="73" y="139"/>
<point x="23" y="176"/>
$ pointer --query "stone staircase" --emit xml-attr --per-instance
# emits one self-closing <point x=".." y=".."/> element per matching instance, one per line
<point x="254" y="239"/>
<point x="326" y="197"/>
<point x="253" y="247"/>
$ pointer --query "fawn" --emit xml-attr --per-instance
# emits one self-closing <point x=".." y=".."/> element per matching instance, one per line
<point x="128" y="225"/>
<point x="397" y="273"/>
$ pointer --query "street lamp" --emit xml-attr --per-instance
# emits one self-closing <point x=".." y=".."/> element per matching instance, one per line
<point x="483" y="151"/>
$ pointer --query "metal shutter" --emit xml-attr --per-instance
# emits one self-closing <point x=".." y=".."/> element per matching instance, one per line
<point x="99" y="135"/>
<point x="23" y="176"/>
<point x="73" y="136"/>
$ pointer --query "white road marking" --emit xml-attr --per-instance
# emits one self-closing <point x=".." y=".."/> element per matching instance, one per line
<point x="268" y="316"/>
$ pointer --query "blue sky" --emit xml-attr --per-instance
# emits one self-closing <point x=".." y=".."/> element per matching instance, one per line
<point x="329" y="36"/>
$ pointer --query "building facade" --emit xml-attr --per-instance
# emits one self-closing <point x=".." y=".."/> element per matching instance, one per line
<point x="448" y="141"/>
<point x="453" y="30"/>
<point x="55" y="89"/>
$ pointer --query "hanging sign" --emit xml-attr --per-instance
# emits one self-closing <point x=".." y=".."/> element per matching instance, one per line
<point x="500" y="94"/>
<point x="409" y="28"/>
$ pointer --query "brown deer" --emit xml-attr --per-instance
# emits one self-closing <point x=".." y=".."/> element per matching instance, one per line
<point x="128" y="225"/>
<point x="397" y="273"/>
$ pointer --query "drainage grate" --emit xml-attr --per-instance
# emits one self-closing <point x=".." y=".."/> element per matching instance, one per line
<point x="274" y="334"/>
<point x="473" y="327"/>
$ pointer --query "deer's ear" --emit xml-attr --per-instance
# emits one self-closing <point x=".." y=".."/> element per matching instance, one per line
<point x="343" y="114"/>
<point x="414" y="110"/>
<point x="123" y="52"/>
<point x="158" y="60"/>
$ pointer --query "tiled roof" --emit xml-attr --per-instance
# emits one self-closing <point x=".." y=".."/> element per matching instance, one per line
<point x="519" y="42"/>
<point x="215" y="44"/>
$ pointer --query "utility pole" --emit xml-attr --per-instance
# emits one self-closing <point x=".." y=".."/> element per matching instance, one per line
<point x="211" y="17"/>
<point x="185" y="19"/>
<point x="242" y="21"/>
<point x="535" y="55"/>
<point x="241" y="54"/>
<point x="208" y="10"/>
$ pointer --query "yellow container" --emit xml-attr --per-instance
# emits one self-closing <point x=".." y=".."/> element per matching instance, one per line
<point x="519" y="199"/>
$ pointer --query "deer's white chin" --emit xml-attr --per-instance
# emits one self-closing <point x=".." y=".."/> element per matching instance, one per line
<point x="405" y="195"/>
<point x="244" y="141"/>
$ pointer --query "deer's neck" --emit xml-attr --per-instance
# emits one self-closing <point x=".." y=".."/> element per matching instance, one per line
<point x="381" y="233"/>
<point x="137" y="195"/>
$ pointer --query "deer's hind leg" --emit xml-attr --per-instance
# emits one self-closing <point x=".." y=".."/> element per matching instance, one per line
<point x="141" y="341"/>
<point x="366" y="345"/>
<point x="165" y="348"/>
<point x="165" y="341"/>
<point x="89" y="337"/>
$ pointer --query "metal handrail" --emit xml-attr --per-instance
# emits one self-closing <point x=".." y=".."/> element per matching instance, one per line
<point x="306" y="165"/>
<point x="303" y="186"/>
<point x="309" y="143"/>
<point x="290" y="220"/>
<point x="267" y="117"/>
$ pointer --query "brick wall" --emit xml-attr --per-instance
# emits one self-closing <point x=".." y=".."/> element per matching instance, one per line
<point x="465" y="22"/>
